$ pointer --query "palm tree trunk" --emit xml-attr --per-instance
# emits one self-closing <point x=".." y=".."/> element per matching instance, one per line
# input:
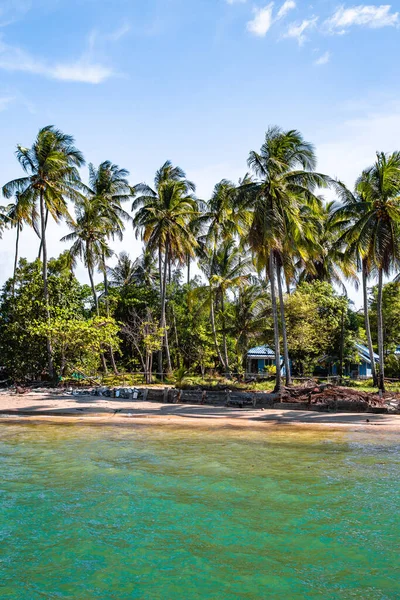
<point x="278" y="378"/>
<point x="94" y="293"/>
<point x="178" y="358"/>
<point x="112" y="358"/>
<point x="214" y="331"/>
<point x="45" y="227"/>
<point x="381" y="380"/>
<point x="288" y="378"/>
<point x="45" y="285"/>
<point x="163" y="306"/>
<point x="188" y="268"/>
<point x="96" y="304"/>
<point x="160" y="272"/>
<point x="367" y="324"/>
<point x="226" y="358"/>
<point x="15" y="261"/>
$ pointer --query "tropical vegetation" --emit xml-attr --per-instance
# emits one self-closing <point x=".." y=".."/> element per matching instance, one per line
<point x="266" y="260"/>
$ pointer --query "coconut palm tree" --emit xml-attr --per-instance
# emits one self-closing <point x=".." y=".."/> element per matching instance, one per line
<point x="375" y="230"/>
<point x="163" y="220"/>
<point x="225" y="268"/>
<point x="52" y="179"/>
<point x="108" y="189"/>
<point x="88" y="237"/>
<point x="89" y="242"/>
<point x="141" y="271"/>
<point x="250" y="309"/>
<point x="343" y="216"/>
<point x="15" y="215"/>
<point x="285" y="180"/>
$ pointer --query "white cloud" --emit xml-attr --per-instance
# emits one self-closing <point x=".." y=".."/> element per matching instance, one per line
<point x="296" y="30"/>
<point x="362" y="15"/>
<point x="236" y="1"/>
<point x="83" y="70"/>
<point x="323" y="59"/>
<point x="287" y="6"/>
<point x="262" y="20"/>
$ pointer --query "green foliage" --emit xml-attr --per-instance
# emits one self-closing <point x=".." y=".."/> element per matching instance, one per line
<point x="22" y="354"/>
<point x="314" y="320"/>
<point x="391" y="314"/>
<point x="77" y="343"/>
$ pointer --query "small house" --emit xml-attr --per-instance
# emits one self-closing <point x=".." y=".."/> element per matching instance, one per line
<point x="260" y="358"/>
<point x="362" y="368"/>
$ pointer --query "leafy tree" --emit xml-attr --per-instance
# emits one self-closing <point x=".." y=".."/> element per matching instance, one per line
<point x="314" y="317"/>
<point x="390" y="313"/>
<point x="22" y="354"/>
<point x="78" y="343"/>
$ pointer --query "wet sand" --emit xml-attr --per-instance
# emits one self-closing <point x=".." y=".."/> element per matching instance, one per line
<point x="60" y="408"/>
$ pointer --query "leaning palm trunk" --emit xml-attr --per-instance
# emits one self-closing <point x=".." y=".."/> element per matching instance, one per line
<point x="112" y="358"/>
<point x="381" y="380"/>
<point x="163" y="309"/>
<point x="160" y="273"/>
<point x="45" y="285"/>
<point x="278" y="378"/>
<point x="225" y="346"/>
<point x="41" y="239"/>
<point x="96" y="304"/>
<point x="214" y="331"/>
<point x="15" y="260"/>
<point x="367" y="325"/>
<point x="288" y="378"/>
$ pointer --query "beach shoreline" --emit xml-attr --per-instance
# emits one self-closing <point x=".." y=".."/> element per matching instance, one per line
<point x="62" y="408"/>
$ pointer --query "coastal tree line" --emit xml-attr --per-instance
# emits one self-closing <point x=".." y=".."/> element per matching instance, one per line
<point x="275" y="259"/>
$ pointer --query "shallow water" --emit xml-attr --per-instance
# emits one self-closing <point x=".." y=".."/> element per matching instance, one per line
<point x="162" y="513"/>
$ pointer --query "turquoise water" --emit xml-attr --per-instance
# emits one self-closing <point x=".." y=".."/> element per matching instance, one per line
<point x="150" y="513"/>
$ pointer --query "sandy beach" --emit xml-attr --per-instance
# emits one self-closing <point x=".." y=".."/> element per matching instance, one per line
<point x="52" y="407"/>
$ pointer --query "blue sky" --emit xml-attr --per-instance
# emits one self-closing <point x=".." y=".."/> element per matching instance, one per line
<point x="198" y="82"/>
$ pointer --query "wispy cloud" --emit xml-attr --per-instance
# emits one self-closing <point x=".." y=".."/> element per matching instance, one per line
<point x="362" y="15"/>
<point x="119" y="33"/>
<point x="297" y="30"/>
<point x="236" y="1"/>
<point x="83" y="70"/>
<point x="262" y="20"/>
<point x="12" y="10"/>
<point x="323" y="59"/>
<point x="285" y="8"/>
<point x="5" y="101"/>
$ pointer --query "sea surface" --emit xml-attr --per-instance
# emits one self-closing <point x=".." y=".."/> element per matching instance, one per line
<point x="176" y="513"/>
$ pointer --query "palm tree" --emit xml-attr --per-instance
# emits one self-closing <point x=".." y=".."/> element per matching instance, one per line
<point x="375" y="230"/>
<point x="52" y="179"/>
<point x="225" y="269"/>
<point x="141" y="271"/>
<point x="285" y="180"/>
<point x="108" y="188"/>
<point x="343" y="218"/>
<point x="16" y="215"/>
<point x="163" y="219"/>
<point x="250" y="309"/>
<point x="88" y="237"/>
